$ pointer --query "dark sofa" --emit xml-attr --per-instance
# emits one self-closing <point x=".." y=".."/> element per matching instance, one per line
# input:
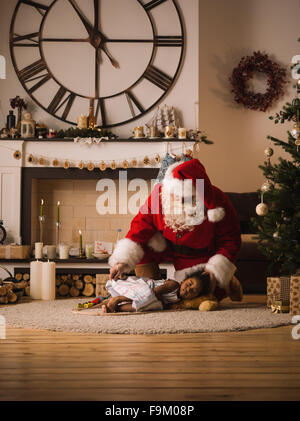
<point x="251" y="263"/>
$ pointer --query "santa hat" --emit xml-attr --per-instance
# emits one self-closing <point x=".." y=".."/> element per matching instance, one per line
<point x="173" y="182"/>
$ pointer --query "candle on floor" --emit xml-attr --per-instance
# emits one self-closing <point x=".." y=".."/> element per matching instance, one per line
<point x="48" y="288"/>
<point x="38" y="247"/>
<point x="42" y="208"/>
<point x="58" y="212"/>
<point x="36" y="280"/>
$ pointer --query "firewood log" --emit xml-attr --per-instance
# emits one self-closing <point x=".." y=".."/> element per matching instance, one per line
<point x="63" y="277"/>
<point x="94" y="280"/>
<point x="79" y="284"/>
<point x="75" y="277"/>
<point x="88" y="279"/>
<point x="63" y="290"/>
<point x="12" y="297"/>
<point x="89" y="290"/>
<point x="74" y="292"/>
<point x="4" y="300"/>
<point x="18" y="277"/>
<point x="58" y="281"/>
<point x="3" y="291"/>
<point x="20" y="285"/>
<point x="27" y="291"/>
<point x="26" y="276"/>
<point x="69" y="282"/>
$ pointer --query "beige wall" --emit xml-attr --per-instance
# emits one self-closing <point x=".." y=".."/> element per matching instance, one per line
<point x="230" y="29"/>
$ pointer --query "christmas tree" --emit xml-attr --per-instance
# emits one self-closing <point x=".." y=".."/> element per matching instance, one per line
<point x="278" y="220"/>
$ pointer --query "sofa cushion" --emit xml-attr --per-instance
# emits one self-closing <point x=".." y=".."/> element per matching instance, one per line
<point x="245" y="204"/>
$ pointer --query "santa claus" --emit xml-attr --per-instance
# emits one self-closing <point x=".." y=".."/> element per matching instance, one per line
<point x="195" y="228"/>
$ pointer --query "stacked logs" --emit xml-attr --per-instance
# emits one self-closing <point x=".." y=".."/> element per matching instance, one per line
<point x="8" y="291"/>
<point x="75" y="285"/>
<point x="66" y="286"/>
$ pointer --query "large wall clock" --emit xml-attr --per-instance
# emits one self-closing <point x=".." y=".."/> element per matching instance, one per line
<point x="120" y="56"/>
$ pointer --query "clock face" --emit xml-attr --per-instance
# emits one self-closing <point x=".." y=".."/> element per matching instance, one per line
<point x="119" y="56"/>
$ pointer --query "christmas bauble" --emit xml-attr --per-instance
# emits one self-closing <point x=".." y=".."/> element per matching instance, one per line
<point x="265" y="186"/>
<point x="269" y="152"/>
<point x="276" y="234"/>
<point x="295" y="132"/>
<point x="262" y="209"/>
<point x="297" y="141"/>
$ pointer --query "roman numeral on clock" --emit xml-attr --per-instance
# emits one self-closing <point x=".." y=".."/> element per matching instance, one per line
<point x="101" y="107"/>
<point x="30" y="38"/>
<point x="131" y="99"/>
<point x="32" y="72"/>
<point x="57" y="102"/>
<point x="168" y="41"/>
<point x="41" y="8"/>
<point x="158" y="78"/>
<point x="153" y="3"/>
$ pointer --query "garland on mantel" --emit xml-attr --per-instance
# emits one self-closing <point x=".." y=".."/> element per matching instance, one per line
<point x="82" y="133"/>
<point x="67" y="163"/>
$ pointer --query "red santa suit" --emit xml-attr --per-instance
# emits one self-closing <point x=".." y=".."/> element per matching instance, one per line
<point x="212" y="244"/>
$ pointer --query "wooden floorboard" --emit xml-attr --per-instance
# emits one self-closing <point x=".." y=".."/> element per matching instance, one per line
<point x="262" y="364"/>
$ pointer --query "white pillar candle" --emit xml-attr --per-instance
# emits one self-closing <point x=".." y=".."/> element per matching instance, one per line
<point x="63" y="251"/>
<point x="48" y="281"/>
<point x="51" y="252"/>
<point x="38" y="250"/>
<point x="36" y="280"/>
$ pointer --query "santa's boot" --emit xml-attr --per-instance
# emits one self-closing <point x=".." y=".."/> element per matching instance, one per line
<point x="148" y="270"/>
<point x="235" y="290"/>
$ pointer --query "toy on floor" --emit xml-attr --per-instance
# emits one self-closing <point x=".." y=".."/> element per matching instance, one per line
<point x="93" y="303"/>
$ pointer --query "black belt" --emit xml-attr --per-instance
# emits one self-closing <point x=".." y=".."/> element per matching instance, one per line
<point x="188" y="251"/>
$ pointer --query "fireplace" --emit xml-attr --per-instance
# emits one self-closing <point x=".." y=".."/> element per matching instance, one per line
<point x="75" y="189"/>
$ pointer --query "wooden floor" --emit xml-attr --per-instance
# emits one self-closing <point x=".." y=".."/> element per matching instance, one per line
<point x="261" y="364"/>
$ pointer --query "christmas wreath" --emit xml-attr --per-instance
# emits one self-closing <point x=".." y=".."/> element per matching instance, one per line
<point x="258" y="62"/>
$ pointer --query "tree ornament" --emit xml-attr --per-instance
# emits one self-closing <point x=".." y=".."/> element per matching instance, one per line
<point x="30" y="159"/>
<point x="55" y="162"/>
<point x="295" y="132"/>
<point x="262" y="209"/>
<point x="266" y="186"/>
<point x="125" y="164"/>
<point x="276" y="234"/>
<point x="41" y="161"/>
<point x="113" y="165"/>
<point x="297" y="141"/>
<point x="81" y="165"/>
<point x="90" y="166"/>
<point x="269" y="152"/>
<point x="146" y="160"/>
<point x="157" y="158"/>
<point x="134" y="162"/>
<point x="17" y="155"/>
<point x="67" y="165"/>
<point x="102" y="166"/>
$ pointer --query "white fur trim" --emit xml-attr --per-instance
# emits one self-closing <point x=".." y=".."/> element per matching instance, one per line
<point x="215" y="215"/>
<point x="158" y="242"/>
<point x="181" y="275"/>
<point x="222" y="268"/>
<point x="128" y="252"/>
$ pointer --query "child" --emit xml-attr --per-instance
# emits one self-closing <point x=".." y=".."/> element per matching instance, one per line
<point x="141" y="294"/>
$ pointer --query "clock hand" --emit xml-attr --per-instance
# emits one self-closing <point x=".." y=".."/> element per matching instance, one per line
<point x="86" y="23"/>
<point x="96" y="21"/>
<point x="111" y="59"/>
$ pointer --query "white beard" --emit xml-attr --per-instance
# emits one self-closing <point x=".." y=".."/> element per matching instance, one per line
<point x="181" y="217"/>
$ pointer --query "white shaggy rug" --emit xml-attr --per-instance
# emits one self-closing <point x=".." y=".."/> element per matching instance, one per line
<point x="58" y="316"/>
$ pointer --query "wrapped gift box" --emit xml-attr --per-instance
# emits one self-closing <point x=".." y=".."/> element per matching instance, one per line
<point x="295" y="294"/>
<point x="278" y="288"/>
<point x="15" y="252"/>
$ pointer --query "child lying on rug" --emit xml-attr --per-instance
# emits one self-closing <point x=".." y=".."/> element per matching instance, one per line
<point x="141" y="294"/>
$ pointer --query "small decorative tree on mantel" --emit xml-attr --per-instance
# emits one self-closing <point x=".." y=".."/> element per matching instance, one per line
<point x="278" y="223"/>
